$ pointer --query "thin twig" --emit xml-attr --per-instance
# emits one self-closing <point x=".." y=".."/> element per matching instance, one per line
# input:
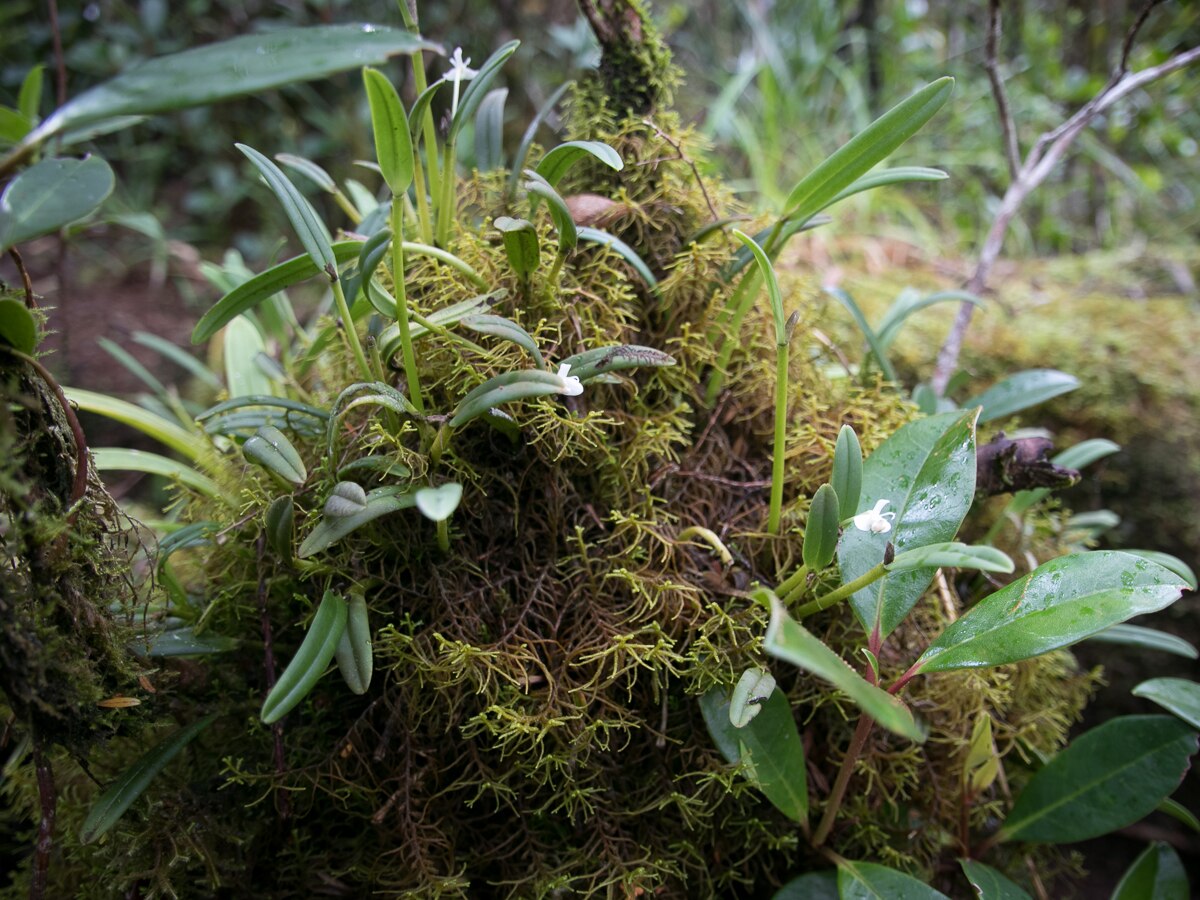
<point x="691" y="165"/>
<point x="48" y="798"/>
<point x="60" y="64"/>
<point x="26" y="282"/>
<point x="283" y="805"/>
<point x="1008" y="127"/>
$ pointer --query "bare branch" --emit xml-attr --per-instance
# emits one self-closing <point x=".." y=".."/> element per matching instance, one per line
<point x="1012" y="150"/>
<point x="1130" y="37"/>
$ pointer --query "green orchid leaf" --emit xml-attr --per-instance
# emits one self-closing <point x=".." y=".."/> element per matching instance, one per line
<point x="29" y="98"/>
<point x="179" y="356"/>
<point x="265" y="285"/>
<point x="774" y="295"/>
<point x="847" y="472"/>
<point x="821" y="531"/>
<point x="355" y="658"/>
<point x="50" y="195"/>
<point x="1168" y="562"/>
<point x="329" y="531"/>
<point x="990" y="884"/>
<point x="1176" y="695"/>
<point x="524" y="384"/>
<point x="523" y="148"/>
<point x="871" y="881"/>
<point x="271" y="449"/>
<point x="885" y="177"/>
<point x="910" y="302"/>
<point x="489" y="131"/>
<point x="865" y="150"/>
<point x="591" y="364"/>
<point x="1157" y="874"/>
<point x="478" y="87"/>
<point x="241" y="66"/>
<point x="1061" y="602"/>
<point x="118" y="459"/>
<point x="498" y="326"/>
<point x="769" y="747"/>
<point x="308" y="665"/>
<point x="952" y="554"/>
<point x="876" y="345"/>
<point x="627" y="253"/>
<point x="1105" y="779"/>
<point x="182" y="642"/>
<point x="788" y="640"/>
<point x="242" y="344"/>
<point x="187" y="443"/>
<point x="439" y="503"/>
<point x="120" y="795"/>
<point x="280" y="528"/>
<point x="393" y="141"/>
<point x="18" y="329"/>
<point x="521" y="244"/>
<point x="810" y="886"/>
<point x="558" y="161"/>
<point x="926" y="472"/>
<point x="1021" y="391"/>
<point x="564" y="224"/>
<point x="1146" y="639"/>
<point x="309" y="228"/>
<point x="309" y="170"/>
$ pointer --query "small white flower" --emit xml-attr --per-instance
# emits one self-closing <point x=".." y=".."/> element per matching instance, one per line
<point x="573" y="386"/>
<point x="875" y="520"/>
<point x="460" y="69"/>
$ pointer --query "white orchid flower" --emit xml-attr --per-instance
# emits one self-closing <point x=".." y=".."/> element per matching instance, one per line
<point x="875" y="520"/>
<point x="573" y="386"/>
<point x="460" y="71"/>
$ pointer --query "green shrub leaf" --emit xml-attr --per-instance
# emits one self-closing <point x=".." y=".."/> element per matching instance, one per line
<point x="1105" y="779"/>
<point x="926" y="472"/>
<point x="990" y="884"/>
<point x="870" y="881"/>
<point x="1176" y="695"/>
<point x="1157" y="874"/>
<point x="52" y="194"/>
<point x="1062" y="601"/>
<point x="1021" y="391"/>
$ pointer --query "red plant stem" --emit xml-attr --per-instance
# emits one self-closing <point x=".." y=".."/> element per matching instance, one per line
<point x="283" y="803"/>
<point x="26" y="282"/>
<point x="45" y="836"/>
<point x="853" y="752"/>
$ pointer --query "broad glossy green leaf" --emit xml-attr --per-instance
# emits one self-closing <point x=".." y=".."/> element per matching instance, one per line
<point x="810" y="886"/>
<point x="191" y="445"/>
<point x="1157" y="874"/>
<point x="871" y="881"/>
<point x="118" y="459"/>
<point x="520" y="244"/>
<point x="439" y="503"/>
<point x="955" y="554"/>
<point x="990" y="884"/>
<point x="17" y="326"/>
<point x="770" y="747"/>
<point x="821" y="531"/>
<point x="592" y="363"/>
<point x="1176" y="695"/>
<point x="393" y="142"/>
<point x="790" y="641"/>
<point x="926" y="472"/>
<point x="249" y="294"/>
<point x="241" y="346"/>
<point x="1146" y="639"/>
<point x="847" y="472"/>
<point x="774" y="295"/>
<point x="1168" y="562"/>
<point x="477" y="88"/>
<point x="558" y="161"/>
<point x="119" y="795"/>
<point x="329" y="531"/>
<point x="1105" y="779"/>
<point x="241" y="66"/>
<point x="627" y="253"/>
<point x="309" y="228"/>
<point x="498" y="326"/>
<point x="52" y="194"/>
<point x="1060" y="602"/>
<point x="865" y="150"/>
<point x="1021" y="391"/>
<point x="308" y="665"/>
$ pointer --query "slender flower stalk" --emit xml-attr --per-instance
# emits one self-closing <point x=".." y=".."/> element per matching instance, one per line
<point x="406" y="346"/>
<point x="428" y="131"/>
<point x="339" y="297"/>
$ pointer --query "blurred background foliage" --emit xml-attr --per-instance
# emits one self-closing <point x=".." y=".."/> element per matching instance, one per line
<point x="775" y="86"/>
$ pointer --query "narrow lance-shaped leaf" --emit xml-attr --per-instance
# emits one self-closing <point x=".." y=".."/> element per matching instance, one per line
<point x="871" y="881"/>
<point x="311" y="231"/>
<point x="990" y="884"/>
<point x="600" y="360"/>
<point x="500" y="327"/>
<point x="308" y="665"/>
<point x="51" y="194"/>
<point x="627" y="253"/>
<point x="355" y="658"/>
<point x="524" y="384"/>
<point x="1105" y="779"/>
<point x="558" y="161"/>
<point x="564" y="224"/>
<point x="1021" y="391"/>
<point x="847" y="472"/>
<point x="119" y="796"/>
<point x="478" y="87"/>
<point x="885" y="177"/>
<point x="393" y="142"/>
<point x="330" y="530"/>
<point x="872" y="145"/>
<point x="788" y="640"/>
<point x="952" y="554"/>
<point x="119" y="459"/>
<point x="1176" y="695"/>
<point x="1146" y="639"/>
<point x="1061" y="602"/>
<point x="774" y="295"/>
<point x="193" y="446"/>
<point x="489" y="131"/>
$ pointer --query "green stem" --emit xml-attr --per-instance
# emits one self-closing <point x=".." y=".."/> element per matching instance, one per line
<point x="429" y="132"/>
<point x="734" y="313"/>
<point x="846" y="590"/>
<point x="406" y="345"/>
<point x="781" y="403"/>
<point x="556" y="268"/>
<point x="351" y="332"/>
<point x="443" y="331"/>
<point x="346" y="206"/>
<point x="424" y="222"/>
<point x="443" y="535"/>
<point x="791" y="583"/>
<point x="853" y="752"/>
<point x="445" y="212"/>
<point x="711" y="539"/>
